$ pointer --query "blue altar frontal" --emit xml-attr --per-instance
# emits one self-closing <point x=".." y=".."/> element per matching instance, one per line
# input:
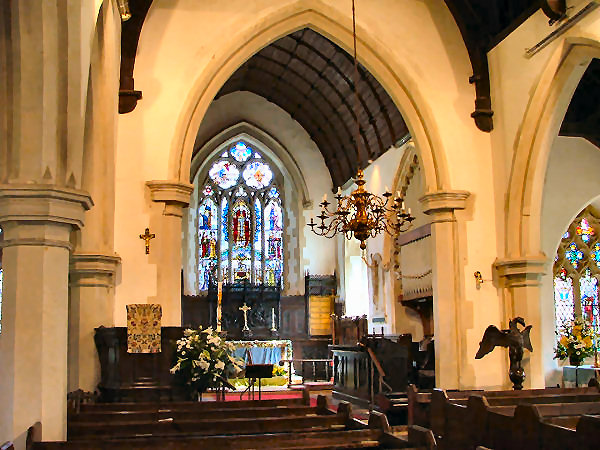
<point x="263" y="352"/>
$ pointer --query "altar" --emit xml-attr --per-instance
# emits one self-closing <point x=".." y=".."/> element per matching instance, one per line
<point x="263" y="352"/>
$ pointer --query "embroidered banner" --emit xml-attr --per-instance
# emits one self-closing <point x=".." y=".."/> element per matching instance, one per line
<point x="143" y="328"/>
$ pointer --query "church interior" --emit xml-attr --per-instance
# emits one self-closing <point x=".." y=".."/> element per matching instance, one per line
<point x="391" y="206"/>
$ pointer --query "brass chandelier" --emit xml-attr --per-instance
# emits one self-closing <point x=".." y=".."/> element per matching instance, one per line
<point x="361" y="214"/>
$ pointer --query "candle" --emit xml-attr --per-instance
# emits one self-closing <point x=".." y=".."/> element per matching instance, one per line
<point x="339" y="191"/>
<point x="219" y="298"/>
<point x="273" y="319"/>
<point x="324" y="197"/>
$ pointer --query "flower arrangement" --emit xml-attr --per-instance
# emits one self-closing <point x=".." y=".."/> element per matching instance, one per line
<point x="204" y="360"/>
<point x="576" y="340"/>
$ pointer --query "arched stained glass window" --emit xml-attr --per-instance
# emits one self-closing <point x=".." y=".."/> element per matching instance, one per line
<point x="244" y="241"/>
<point x="576" y="271"/>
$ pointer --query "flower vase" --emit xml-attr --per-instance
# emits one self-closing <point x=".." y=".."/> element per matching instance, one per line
<point x="575" y="360"/>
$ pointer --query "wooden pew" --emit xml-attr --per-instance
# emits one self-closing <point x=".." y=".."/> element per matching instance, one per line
<point x="439" y="400"/>
<point x="353" y="434"/>
<point x="192" y="406"/>
<point x="534" y="426"/>
<point x="478" y="421"/>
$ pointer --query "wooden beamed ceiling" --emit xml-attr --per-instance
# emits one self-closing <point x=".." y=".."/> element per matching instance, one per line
<point x="310" y="77"/>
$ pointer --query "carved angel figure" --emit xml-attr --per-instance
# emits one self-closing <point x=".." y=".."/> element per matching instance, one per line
<point x="513" y="338"/>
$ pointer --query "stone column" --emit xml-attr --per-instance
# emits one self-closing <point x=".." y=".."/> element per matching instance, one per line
<point x="92" y="283"/>
<point x="37" y="221"/>
<point x="520" y="279"/>
<point x="447" y="291"/>
<point x="175" y="196"/>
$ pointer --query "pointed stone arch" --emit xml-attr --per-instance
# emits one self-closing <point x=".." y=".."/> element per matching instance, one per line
<point x="541" y="125"/>
<point x="336" y="27"/>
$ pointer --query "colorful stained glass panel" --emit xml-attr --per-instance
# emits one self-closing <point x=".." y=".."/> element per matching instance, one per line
<point x="257" y="175"/>
<point x="563" y="300"/>
<point x="588" y="290"/>
<point x="573" y="254"/>
<point x="224" y="174"/>
<point x="584" y="230"/>
<point x="241" y="152"/>
<point x="595" y="254"/>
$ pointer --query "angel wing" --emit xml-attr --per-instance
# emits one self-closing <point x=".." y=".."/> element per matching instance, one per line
<point x="526" y="340"/>
<point x="491" y="338"/>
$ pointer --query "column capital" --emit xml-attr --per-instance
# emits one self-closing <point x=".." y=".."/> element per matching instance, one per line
<point x="442" y="204"/>
<point x="524" y="271"/>
<point x="43" y="203"/>
<point x="93" y="269"/>
<point x="174" y="194"/>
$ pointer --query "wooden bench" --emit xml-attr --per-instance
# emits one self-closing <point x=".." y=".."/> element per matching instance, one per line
<point x="556" y="426"/>
<point x="438" y="399"/>
<point x="493" y="420"/>
<point x="191" y="406"/>
<point x="325" y="430"/>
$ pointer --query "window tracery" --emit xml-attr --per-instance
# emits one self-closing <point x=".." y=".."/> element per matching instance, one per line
<point x="240" y="220"/>
<point x="576" y="271"/>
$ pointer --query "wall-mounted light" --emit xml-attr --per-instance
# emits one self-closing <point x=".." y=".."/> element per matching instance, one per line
<point x="479" y="279"/>
<point x="124" y="10"/>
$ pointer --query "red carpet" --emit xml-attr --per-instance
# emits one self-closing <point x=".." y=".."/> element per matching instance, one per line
<point x="272" y="395"/>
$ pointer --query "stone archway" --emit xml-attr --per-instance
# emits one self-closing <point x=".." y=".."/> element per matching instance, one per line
<point x="337" y="28"/>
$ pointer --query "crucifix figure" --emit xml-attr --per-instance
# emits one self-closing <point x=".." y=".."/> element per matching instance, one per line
<point x="245" y="309"/>
<point x="146" y="237"/>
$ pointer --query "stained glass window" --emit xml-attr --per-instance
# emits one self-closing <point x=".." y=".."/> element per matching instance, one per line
<point x="246" y="221"/>
<point x="573" y="254"/>
<point x="585" y="231"/>
<point x="257" y="175"/>
<point x="241" y="152"/>
<point x="563" y="299"/>
<point x="224" y="174"/>
<point x="596" y="253"/>
<point x="577" y="271"/>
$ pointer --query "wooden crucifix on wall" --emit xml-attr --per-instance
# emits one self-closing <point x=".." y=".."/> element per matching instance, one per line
<point x="146" y="237"/>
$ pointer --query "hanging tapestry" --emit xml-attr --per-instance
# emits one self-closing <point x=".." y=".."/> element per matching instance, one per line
<point x="143" y="328"/>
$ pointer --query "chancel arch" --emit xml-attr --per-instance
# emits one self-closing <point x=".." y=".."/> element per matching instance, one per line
<point x="336" y="27"/>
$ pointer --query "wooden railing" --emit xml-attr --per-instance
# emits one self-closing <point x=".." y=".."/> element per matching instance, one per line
<point x="313" y="364"/>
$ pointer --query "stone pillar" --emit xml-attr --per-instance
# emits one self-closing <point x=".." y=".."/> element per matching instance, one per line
<point x="520" y="279"/>
<point x="92" y="283"/>
<point x="175" y="196"/>
<point x="37" y="222"/>
<point x="447" y="291"/>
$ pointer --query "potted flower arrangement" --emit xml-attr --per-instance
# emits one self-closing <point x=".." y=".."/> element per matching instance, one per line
<point x="576" y="340"/>
<point x="204" y="361"/>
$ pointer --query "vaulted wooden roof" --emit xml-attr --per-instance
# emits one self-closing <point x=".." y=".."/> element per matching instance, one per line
<point x="310" y="77"/>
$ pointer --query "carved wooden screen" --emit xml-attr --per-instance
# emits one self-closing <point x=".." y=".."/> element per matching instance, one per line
<point x="576" y="271"/>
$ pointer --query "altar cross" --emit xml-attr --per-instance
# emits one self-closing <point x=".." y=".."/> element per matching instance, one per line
<point x="245" y="309"/>
<point x="146" y="237"/>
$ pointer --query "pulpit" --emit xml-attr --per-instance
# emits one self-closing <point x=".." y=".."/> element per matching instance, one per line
<point x="136" y="376"/>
